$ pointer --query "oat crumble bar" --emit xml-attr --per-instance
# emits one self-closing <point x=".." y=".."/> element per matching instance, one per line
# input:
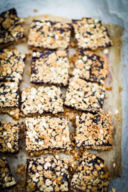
<point x="91" y="67"/>
<point x="9" y="96"/>
<point x="6" y="178"/>
<point x="91" y="175"/>
<point x="11" y="27"/>
<point x="91" y="34"/>
<point x="84" y="96"/>
<point x="47" y="174"/>
<point x="41" y="99"/>
<point x="9" y="136"/>
<point x="50" y="67"/>
<point x="94" y="131"/>
<point x="47" y="133"/>
<point x="49" y="34"/>
<point x="11" y="65"/>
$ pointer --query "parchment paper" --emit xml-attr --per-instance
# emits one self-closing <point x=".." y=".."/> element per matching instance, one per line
<point x="113" y="157"/>
<point x="112" y="104"/>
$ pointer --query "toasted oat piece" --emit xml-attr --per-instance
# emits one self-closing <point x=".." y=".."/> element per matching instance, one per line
<point x="84" y="96"/>
<point x="50" y="67"/>
<point x="11" y="65"/>
<point x="47" y="173"/>
<point x="9" y="136"/>
<point x="49" y="34"/>
<point x="45" y="133"/>
<point x="91" y="175"/>
<point x="91" y="67"/>
<point x="9" y="96"/>
<point x="11" y="27"/>
<point x="94" y="131"/>
<point x="91" y="34"/>
<point x="6" y="178"/>
<point x="41" y="99"/>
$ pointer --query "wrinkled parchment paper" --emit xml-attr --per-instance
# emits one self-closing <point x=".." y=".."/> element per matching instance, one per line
<point x="113" y="104"/>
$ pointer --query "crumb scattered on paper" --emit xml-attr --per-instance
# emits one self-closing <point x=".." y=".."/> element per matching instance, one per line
<point x="35" y="10"/>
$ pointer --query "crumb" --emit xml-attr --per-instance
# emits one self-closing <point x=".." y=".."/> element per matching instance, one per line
<point x="106" y="51"/>
<point x="120" y="89"/>
<point x="29" y="53"/>
<point x="114" y="165"/>
<point x="35" y="10"/>
<point x="108" y="88"/>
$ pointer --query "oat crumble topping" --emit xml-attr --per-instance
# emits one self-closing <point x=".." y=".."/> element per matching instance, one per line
<point x="50" y="67"/>
<point x="11" y="65"/>
<point x="94" y="131"/>
<point x="49" y="34"/>
<point x="91" y="175"/>
<point x="91" y="67"/>
<point x="41" y="99"/>
<point x="47" y="133"/>
<point x="11" y="27"/>
<point x="9" y="96"/>
<point x="9" y="136"/>
<point x="47" y="174"/>
<point x="85" y="96"/>
<point x="91" y="34"/>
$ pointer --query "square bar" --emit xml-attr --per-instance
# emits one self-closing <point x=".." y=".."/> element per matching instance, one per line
<point x="11" y="27"/>
<point x="45" y="133"/>
<point x="11" y="65"/>
<point x="41" y="99"/>
<point x="9" y="96"/>
<point x="94" y="131"/>
<point x="49" y="34"/>
<point x="91" y="175"/>
<point x="47" y="173"/>
<point x="84" y="96"/>
<point x="50" y="67"/>
<point x="6" y="178"/>
<point x="9" y="136"/>
<point x="91" y="67"/>
<point x="91" y="34"/>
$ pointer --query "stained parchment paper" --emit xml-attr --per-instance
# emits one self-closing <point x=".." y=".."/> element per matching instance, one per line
<point x="112" y="104"/>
